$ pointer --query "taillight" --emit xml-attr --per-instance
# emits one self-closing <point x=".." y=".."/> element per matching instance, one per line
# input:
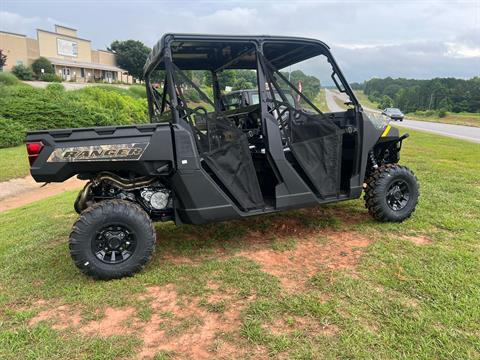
<point x="33" y="150"/>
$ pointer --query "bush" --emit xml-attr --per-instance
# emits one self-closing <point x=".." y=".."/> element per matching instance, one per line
<point x="42" y="63"/>
<point x="138" y="91"/>
<point x="55" y="87"/>
<point x="442" y="113"/>
<point x="22" y="72"/>
<point x="50" y="78"/>
<point x="8" y="79"/>
<point x="26" y="108"/>
<point x="11" y="133"/>
<point x="191" y="95"/>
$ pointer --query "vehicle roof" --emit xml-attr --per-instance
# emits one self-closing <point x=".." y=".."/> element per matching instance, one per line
<point x="213" y="52"/>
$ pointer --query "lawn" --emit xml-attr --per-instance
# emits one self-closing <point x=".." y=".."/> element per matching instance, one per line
<point x="320" y="101"/>
<point x="364" y="100"/>
<point x="464" y="118"/>
<point x="13" y="163"/>
<point x="325" y="282"/>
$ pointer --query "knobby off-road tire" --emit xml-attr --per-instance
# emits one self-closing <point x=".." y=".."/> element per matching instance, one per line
<point x="112" y="239"/>
<point x="391" y="193"/>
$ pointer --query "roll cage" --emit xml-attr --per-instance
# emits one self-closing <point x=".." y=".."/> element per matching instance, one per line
<point x="175" y="53"/>
<point x="271" y="155"/>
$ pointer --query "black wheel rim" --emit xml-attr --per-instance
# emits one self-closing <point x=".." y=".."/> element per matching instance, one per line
<point x="114" y="243"/>
<point x="398" y="195"/>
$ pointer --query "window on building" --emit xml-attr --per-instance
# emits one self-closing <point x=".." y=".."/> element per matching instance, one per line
<point x="82" y="72"/>
<point x="19" y="62"/>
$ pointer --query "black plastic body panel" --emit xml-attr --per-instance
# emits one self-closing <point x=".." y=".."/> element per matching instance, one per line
<point x="156" y="137"/>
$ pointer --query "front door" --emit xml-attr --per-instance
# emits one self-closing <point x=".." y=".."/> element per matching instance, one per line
<point x="314" y="139"/>
<point x="66" y="74"/>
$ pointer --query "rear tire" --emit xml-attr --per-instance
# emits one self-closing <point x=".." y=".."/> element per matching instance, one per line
<point x="112" y="239"/>
<point x="391" y="193"/>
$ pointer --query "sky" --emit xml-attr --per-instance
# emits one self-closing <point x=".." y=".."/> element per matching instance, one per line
<point x="404" y="38"/>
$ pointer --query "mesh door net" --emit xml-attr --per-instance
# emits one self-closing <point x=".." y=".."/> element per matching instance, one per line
<point x="316" y="144"/>
<point x="314" y="140"/>
<point x="224" y="149"/>
<point x="228" y="156"/>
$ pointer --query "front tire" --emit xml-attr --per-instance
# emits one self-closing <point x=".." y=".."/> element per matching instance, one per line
<point x="391" y="193"/>
<point x="112" y="239"/>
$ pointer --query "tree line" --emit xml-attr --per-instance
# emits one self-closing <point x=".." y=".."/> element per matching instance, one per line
<point x="440" y="94"/>
<point x="132" y="55"/>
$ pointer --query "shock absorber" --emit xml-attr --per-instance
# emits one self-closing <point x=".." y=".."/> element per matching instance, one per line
<point x="372" y="159"/>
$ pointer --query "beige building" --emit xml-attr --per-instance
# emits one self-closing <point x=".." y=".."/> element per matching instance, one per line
<point x="72" y="57"/>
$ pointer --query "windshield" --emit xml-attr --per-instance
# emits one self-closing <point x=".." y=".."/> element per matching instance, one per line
<point x="393" y="111"/>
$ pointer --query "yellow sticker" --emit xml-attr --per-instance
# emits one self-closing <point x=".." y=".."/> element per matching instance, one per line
<point x="385" y="132"/>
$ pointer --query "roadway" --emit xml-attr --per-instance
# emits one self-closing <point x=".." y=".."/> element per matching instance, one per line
<point x="468" y="133"/>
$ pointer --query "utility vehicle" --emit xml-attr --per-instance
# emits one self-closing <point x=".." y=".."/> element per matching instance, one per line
<point x="199" y="162"/>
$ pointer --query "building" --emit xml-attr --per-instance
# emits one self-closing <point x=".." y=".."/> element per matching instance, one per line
<point x="72" y="57"/>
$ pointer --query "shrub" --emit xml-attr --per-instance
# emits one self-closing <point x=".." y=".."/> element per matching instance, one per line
<point x="8" y="79"/>
<point x="55" y="87"/>
<point x="11" y="133"/>
<point x="191" y="95"/>
<point x="50" y="78"/>
<point x="138" y="91"/>
<point x="42" y="63"/>
<point x="22" y="72"/>
<point x="26" y="108"/>
<point x="442" y="113"/>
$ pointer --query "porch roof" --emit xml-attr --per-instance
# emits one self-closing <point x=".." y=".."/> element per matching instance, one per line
<point x="86" y="65"/>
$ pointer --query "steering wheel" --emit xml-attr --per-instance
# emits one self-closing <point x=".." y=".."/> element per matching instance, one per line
<point x="199" y="109"/>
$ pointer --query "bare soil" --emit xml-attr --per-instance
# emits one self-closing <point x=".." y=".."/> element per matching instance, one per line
<point x="326" y="251"/>
<point x="18" y="192"/>
<point x="178" y="325"/>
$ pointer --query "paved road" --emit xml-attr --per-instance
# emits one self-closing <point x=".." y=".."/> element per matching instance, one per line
<point x="330" y="99"/>
<point x="456" y="131"/>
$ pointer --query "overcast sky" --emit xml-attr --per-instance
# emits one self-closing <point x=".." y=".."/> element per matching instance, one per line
<point x="403" y="38"/>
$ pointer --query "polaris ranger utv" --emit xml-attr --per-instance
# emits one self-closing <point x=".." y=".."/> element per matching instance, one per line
<point x="199" y="161"/>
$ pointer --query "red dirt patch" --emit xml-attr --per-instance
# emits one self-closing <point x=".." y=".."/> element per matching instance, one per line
<point x="338" y="251"/>
<point x="113" y="323"/>
<point x="17" y="192"/>
<point x="62" y="317"/>
<point x="178" y="325"/>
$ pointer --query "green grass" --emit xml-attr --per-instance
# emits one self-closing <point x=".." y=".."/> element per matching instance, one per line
<point x="13" y="163"/>
<point x="465" y="118"/>
<point x="364" y="100"/>
<point x="402" y="301"/>
<point x="320" y="102"/>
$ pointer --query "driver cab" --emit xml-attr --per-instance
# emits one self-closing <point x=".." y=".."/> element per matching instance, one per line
<point x="256" y="111"/>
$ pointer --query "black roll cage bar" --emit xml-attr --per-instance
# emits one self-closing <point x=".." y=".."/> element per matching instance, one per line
<point x="165" y="55"/>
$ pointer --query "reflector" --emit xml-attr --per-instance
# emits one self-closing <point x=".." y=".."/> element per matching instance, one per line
<point x="33" y="150"/>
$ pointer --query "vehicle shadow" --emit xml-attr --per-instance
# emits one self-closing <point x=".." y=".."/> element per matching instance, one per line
<point x="265" y="231"/>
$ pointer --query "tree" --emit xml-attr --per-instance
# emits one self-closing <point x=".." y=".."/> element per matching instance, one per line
<point x="386" y="102"/>
<point x="3" y="59"/>
<point x="131" y="56"/>
<point x="42" y="63"/>
<point x="310" y="84"/>
<point x="22" y="72"/>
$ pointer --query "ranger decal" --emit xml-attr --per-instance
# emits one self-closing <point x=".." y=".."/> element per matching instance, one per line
<point x="111" y="152"/>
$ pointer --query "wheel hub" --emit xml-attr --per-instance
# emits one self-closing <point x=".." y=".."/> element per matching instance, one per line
<point x="114" y="244"/>
<point x="398" y="195"/>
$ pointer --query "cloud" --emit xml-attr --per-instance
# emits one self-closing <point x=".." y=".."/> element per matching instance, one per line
<point x="368" y="38"/>
<point x="25" y="25"/>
